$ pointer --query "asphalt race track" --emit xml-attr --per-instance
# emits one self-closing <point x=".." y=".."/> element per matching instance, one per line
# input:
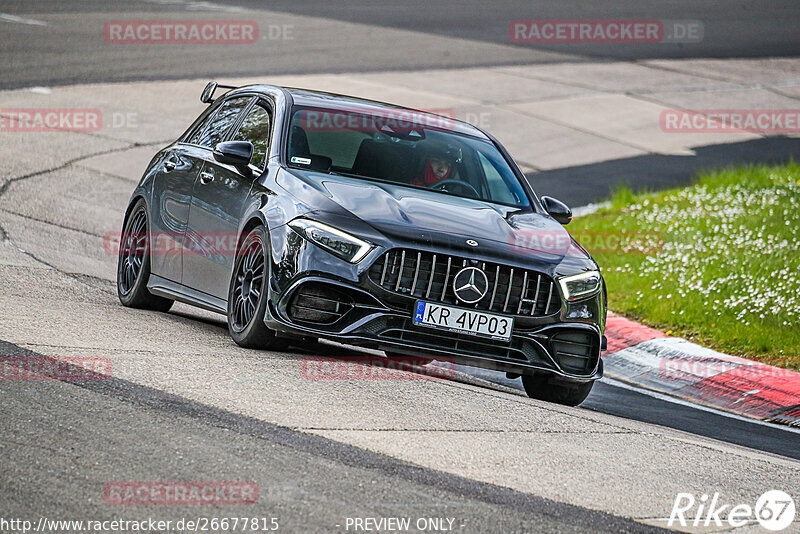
<point x="185" y="403"/>
<point x="332" y="37"/>
<point x="299" y="475"/>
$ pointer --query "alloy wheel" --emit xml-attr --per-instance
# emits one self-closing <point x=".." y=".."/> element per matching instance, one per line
<point x="133" y="248"/>
<point x="248" y="284"/>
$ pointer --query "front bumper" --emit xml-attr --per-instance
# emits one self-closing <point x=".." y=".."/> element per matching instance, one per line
<point x="314" y="294"/>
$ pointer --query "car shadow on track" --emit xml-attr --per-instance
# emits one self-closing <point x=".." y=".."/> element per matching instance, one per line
<point x="326" y="360"/>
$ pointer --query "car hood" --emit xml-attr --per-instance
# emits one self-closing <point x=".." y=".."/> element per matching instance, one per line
<point x="435" y="219"/>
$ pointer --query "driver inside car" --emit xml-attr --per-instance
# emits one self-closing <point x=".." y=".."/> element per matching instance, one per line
<point x="435" y="170"/>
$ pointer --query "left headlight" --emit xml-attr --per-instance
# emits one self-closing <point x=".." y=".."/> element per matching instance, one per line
<point x="335" y="241"/>
<point x="580" y="285"/>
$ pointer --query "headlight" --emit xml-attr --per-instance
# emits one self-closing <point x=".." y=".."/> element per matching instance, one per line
<point x="580" y="285"/>
<point x="342" y="244"/>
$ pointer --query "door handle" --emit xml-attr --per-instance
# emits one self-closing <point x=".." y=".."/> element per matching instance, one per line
<point x="206" y="177"/>
<point x="172" y="162"/>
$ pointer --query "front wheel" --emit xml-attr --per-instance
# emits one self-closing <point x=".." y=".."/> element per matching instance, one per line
<point x="539" y="387"/>
<point x="247" y="295"/>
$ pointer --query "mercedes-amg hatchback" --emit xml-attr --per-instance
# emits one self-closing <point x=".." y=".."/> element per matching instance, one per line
<point x="301" y="214"/>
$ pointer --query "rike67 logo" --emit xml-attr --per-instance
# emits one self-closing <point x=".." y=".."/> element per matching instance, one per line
<point x="774" y="510"/>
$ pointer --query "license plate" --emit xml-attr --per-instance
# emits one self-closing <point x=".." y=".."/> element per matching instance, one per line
<point x="463" y="321"/>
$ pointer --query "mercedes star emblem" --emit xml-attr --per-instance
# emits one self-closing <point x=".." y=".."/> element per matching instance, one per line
<point x="470" y="285"/>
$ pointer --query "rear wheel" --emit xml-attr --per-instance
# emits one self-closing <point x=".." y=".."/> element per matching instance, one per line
<point x="133" y="265"/>
<point x="247" y="296"/>
<point x="570" y="394"/>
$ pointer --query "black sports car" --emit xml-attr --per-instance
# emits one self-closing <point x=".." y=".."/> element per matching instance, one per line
<point x="302" y="214"/>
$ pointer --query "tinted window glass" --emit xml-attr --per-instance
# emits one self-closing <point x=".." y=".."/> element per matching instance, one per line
<point x="193" y="134"/>
<point x="407" y="148"/>
<point x="220" y="122"/>
<point x="497" y="184"/>
<point x="341" y="147"/>
<point x="255" y="128"/>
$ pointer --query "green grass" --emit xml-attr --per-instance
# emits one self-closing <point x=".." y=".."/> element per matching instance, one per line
<point x="721" y="260"/>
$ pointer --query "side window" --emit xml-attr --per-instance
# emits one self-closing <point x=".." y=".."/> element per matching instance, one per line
<point x="220" y="122"/>
<point x="193" y="133"/>
<point x="255" y="128"/>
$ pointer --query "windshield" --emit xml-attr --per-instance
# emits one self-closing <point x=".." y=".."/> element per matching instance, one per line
<point x="405" y="148"/>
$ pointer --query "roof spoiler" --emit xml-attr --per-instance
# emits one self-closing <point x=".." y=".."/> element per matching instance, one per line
<point x="207" y="96"/>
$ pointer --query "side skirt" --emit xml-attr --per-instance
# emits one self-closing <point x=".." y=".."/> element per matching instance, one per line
<point x="172" y="290"/>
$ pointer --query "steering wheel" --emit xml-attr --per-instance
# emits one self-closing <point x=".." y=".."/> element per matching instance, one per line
<point x="442" y="186"/>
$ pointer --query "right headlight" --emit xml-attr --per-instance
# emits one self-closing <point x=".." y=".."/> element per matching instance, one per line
<point x="581" y="285"/>
<point x="346" y="246"/>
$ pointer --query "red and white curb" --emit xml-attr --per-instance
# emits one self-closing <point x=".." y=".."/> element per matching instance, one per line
<point x="651" y="359"/>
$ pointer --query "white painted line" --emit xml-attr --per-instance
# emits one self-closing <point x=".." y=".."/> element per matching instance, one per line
<point x="6" y="17"/>
<point x="40" y="90"/>
<point x="668" y="398"/>
<point x="211" y="6"/>
<point x="190" y="5"/>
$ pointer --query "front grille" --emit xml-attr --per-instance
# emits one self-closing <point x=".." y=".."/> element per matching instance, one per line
<point x="575" y="351"/>
<point x="429" y="276"/>
<point x="319" y="303"/>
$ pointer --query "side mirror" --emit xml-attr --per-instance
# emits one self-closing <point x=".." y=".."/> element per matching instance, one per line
<point x="557" y="210"/>
<point x="207" y="96"/>
<point x="236" y="153"/>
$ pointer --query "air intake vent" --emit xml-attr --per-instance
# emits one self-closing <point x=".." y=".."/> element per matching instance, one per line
<point x="319" y="303"/>
<point x="575" y="351"/>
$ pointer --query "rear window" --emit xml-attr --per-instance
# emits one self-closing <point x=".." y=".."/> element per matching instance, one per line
<point x="405" y="149"/>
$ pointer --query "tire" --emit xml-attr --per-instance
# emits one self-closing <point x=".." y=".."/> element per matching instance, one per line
<point x="133" y="263"/>
<point x="247" y="295"/>
<point x="538" y="387"/>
